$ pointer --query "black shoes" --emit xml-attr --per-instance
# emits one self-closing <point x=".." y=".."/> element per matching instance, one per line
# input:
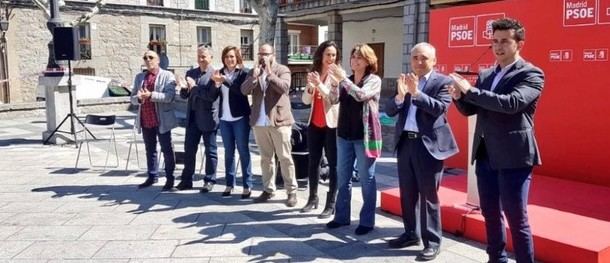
<point x="428" y="253"/>
<point x="149" y="181"/>
<point x="207" y="187"/>
<point x="329" y="208"/>
<point x="363" y="230"/>
<point x="403" y="241"/>
<point x="183" y="185"/>
<point x="169" y="184"/>
<point x="264" y="197"/>
<point x="312" y="204"/>
<point x="292" y="200"/>
<point x="334" y="224"/>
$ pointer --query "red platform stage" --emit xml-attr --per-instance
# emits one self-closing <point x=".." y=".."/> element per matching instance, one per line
<point x="570" y="220"/>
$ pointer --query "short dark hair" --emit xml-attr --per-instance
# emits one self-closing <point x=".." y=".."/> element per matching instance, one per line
<point x="508" y="24"/>
<point x="318" y="56"/>
<point x="238" y="57"/>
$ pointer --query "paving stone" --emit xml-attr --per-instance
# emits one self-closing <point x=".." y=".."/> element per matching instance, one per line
<point x="84" y="219"/>
<point x="122" y="232"/>
<point x="31" y="207"/>
<point x="216" y="249"/>
<point x="61" y="250"/>
<point x="8" y="249"/>
<point x="170" y="260"/>
<point x="38" y="219"/>
<point x="137" y="249"/>
<point x="49" y="233"/>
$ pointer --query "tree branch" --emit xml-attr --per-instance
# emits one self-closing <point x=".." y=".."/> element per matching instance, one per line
<point x="43" y="5"/>
<point x="85" y="17"/>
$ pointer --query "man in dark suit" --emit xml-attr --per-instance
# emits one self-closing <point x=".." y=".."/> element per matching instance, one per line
<point x="271" y="119"/>
<point x="423" y="140"/>
<point x="201" y="121"/>
<point x="504" y="99"/>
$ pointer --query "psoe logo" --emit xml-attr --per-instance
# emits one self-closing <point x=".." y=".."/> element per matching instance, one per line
<point x="579" y="12"/>
<point x="484" y="29"/>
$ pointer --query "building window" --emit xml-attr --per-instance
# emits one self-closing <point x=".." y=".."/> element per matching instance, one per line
<point x="157" y="40"/>
<point x="247" y="48"/>
<point x="85" y="41"/>
<point x="204" y="36"/>
<point x="293" y="43"/>
<point x="244" y="7"/>
<point x="154" y="2"/>
<point x="202" y="4"/>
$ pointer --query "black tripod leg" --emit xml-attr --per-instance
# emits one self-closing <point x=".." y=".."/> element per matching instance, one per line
<point x="56" y="129"/>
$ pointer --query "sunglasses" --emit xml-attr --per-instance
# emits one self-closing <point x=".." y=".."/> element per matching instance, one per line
<point x="148" y="57"/>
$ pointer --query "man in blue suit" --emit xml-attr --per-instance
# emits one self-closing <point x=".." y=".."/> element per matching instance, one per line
<point x="504" y="99"/>
<point x="423" y="140"/>
<point x="201" y="121"/>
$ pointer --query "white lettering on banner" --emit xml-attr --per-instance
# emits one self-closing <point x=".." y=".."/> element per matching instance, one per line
<point x="555" y="55"/>
<point x="462" y="35"/>
<point x="461" y="31"/>
<point x="580" y="12"/>
<point x="576" y="5"/>
<point x="588" y="55"/>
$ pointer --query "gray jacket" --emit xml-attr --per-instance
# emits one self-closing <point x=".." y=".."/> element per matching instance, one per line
<point x="162" y="96"/>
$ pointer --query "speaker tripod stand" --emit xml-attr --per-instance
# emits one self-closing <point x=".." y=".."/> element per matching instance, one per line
<point x="70" y="115"/>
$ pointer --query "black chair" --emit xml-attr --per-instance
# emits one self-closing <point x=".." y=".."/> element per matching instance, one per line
<point x="99" y="123"/>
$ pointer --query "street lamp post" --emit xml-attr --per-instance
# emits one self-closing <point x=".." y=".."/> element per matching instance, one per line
<point x="4" y="84"/>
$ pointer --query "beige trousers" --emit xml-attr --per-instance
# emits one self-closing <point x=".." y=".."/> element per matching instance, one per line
<point x="276" y="141"/>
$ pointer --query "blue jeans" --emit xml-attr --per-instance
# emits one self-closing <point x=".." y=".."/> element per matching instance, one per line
<point x="237" y="133"/>
<point x="505" y="190"/>
<point x="349" y="151"/>
<point x="149" y="135"/>
<point x="191" y="144"/>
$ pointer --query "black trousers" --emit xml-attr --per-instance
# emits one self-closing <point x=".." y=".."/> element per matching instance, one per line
<point x="319" y="139"/>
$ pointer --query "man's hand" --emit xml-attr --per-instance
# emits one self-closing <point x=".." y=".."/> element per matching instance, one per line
<point x="337" y="72"/>
<point x="455" y="93"/>
<point x="218" y="78"/>
<point x="460" y="82"/>
<point x="190" y="83"/>
<point x="144" y="94"/>
<point x="267" y="68"/>
<point x="180" y="81"/>
<point x="256" y="71"/>
<point x="411" y="82"/>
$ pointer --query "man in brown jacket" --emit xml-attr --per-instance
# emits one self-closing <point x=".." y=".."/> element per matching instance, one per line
<point x="271" y="119"/>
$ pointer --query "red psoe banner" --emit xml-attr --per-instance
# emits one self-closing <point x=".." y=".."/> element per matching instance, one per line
<point x="569" y="40"/>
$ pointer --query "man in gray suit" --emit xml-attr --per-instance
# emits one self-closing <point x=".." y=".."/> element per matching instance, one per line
<point x="201" y="121"/>
<point x="154" y="91"/>
<point x="504" y="99"/>
<point x="423" y="140"/>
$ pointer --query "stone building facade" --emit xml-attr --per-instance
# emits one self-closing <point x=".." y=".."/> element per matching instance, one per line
<point x="119" y="34"/>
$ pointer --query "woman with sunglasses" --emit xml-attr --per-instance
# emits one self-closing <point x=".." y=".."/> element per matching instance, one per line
<point x="234" y="119"/>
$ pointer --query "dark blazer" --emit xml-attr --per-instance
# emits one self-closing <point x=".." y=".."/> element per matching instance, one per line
<point x="277" y="101"/>
<point x="505" y="116"/>
<point x="238" y="102"/>
<point x="432" y="104"/>
<point x="203" y="100"/>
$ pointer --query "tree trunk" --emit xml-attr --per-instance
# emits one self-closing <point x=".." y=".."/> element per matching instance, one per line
<point x="267" y="13"/>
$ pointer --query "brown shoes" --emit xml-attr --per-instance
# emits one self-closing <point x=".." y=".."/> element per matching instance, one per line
<point x="264" y="197"/>
<point x="292" y="200"/>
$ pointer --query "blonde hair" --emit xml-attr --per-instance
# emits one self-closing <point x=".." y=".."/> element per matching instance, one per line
<point x="368" y="54"/>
